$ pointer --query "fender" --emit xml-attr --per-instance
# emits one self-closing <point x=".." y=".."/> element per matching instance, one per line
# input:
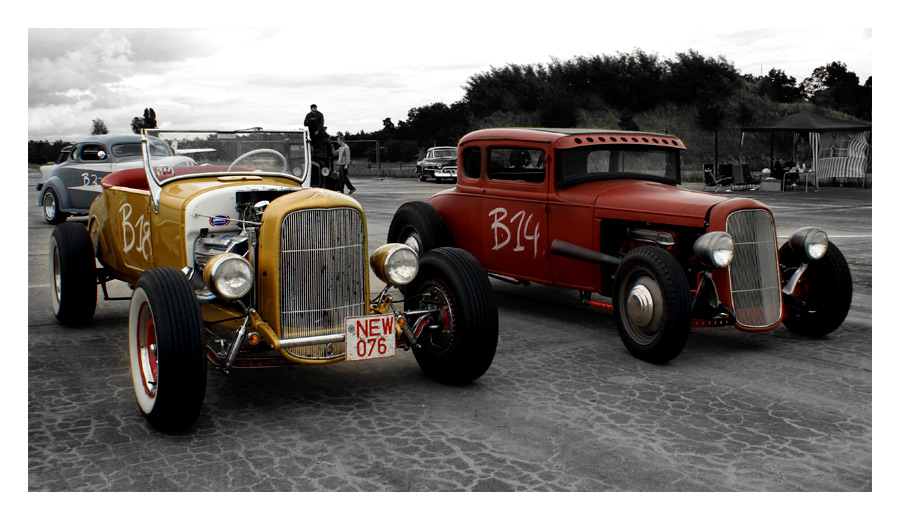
<point x="62" y="194"/>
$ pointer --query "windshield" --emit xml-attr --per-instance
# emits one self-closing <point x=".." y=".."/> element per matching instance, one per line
<point x="233" y="152"/>
<point x="444" y="153"/>
<point x="591" y="163"/>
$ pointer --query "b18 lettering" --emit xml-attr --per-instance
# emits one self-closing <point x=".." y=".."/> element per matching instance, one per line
<point x="370" y="337"/>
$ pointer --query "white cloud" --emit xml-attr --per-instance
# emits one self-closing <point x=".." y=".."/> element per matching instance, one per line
<point x="364" y="74"/>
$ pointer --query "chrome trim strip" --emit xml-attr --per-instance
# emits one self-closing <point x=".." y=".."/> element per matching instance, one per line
<point x="311" y="340"/>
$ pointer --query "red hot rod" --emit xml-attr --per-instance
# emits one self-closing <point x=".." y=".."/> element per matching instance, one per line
<point x="599" y="211"/>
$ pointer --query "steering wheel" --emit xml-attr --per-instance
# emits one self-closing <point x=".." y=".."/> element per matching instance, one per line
<point x="260" y="150"/>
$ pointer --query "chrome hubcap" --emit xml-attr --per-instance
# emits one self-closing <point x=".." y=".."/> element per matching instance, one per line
<point x="640" y="305"/>
<point x="49" y="206"/>
<point x="413" y="242"/>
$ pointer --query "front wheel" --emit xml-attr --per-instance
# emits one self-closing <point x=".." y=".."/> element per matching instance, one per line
<point x="459" y="342"/>
<point x="165" y="345"/>
<point x="823" y="294"/>
<point x="651" y="303"/>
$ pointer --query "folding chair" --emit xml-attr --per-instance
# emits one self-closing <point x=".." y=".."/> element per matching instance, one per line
<point x="743" y="179"/>
<point x="711" y="181"/>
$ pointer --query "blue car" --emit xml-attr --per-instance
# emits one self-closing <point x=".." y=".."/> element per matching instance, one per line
<point x="71" y="185"/>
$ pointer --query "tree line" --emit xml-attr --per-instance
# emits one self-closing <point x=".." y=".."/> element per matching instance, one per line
<point x="40" y="152"/>
<point x="638" y="91"/>
<point x="690" y="95"/>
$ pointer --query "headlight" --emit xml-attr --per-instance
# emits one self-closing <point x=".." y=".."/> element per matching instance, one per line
<point x="228" y="275"/>
<point x="715" y="249"/>
<point x="395" y="264"/>
<point x="809" y="242"/>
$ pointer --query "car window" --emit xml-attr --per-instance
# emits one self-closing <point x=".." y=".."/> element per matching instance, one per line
<point x="516" y="164"/>
<point x="64" y="154"/>
<point x="472" y="162"/>
<point x="126" y="149"/>
<point x="93" y="153"/>
<point x="445" y="153"/>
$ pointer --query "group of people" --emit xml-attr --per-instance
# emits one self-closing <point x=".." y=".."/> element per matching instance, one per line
<point x="788" y="171"/>
<point x="315" y="122"/>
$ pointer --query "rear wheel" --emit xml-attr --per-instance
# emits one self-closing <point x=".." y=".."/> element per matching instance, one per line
<point x="460" y="340"/>
<point x="73" y="274"/>
<point x="52" y="212"/>
<point x="165" y="344"/>
<point x="418" y="225"/>
<point x="822" y="295"/>
<point x="651" y="304"/>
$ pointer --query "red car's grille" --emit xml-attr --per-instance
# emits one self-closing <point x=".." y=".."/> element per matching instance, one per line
<point x="754" y="273"/>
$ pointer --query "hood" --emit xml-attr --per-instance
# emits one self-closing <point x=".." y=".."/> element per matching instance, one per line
<point x="443" y="161"/>
<point x="648" y="201"/>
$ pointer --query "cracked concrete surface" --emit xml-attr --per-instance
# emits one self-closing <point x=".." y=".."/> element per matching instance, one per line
<point x="564" y="407"/>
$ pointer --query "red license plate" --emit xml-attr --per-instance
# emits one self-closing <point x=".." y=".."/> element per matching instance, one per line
<point x="370" y="337"/>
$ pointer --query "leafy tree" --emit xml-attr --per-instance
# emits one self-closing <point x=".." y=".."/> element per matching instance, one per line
<point x="98" y="127"/>
<point x="148" y="120"/>
<point x="780" y="87"/>
<point x="694" y="78"/>
<point x="835" y="87"/>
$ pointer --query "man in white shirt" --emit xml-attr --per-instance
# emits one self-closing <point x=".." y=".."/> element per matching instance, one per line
<point x="343" y="164"/>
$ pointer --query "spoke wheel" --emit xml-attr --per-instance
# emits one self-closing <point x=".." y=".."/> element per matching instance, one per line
<point x="459" y="341"/>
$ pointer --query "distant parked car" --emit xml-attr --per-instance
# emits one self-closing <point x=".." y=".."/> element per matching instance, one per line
<point x="69" y="186"/>
<point x="599" y="211"/>
<point x="439" y="163"/>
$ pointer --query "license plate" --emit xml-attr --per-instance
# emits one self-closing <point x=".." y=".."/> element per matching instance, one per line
<point x="370" y="337"/>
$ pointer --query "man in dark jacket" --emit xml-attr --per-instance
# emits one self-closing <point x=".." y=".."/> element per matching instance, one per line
<point x="314" y="121"/>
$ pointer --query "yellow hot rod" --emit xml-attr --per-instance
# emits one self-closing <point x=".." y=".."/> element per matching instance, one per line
<point x="235" y="260"/>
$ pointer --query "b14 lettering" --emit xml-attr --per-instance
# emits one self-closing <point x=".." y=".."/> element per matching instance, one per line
<point x="522" y="233"/>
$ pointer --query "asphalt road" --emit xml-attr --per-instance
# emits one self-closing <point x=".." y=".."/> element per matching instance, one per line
<point x="564" y="407"/>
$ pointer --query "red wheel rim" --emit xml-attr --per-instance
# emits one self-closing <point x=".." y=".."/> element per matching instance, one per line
<point x="147" y="350"/>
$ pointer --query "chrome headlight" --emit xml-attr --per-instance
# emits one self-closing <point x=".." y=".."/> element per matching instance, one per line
<point x="228" y="275"/>
<point x="809" y="242"/>
<point x="715" y="249"/>
<point x="395" y="264"/>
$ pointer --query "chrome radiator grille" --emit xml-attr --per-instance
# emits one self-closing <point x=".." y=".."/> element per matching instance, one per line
<point x="755" y="279"/>
<point x="323" y="275"/>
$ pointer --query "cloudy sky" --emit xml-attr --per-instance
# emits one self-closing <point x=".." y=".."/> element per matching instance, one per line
<point x="364" y="62"/>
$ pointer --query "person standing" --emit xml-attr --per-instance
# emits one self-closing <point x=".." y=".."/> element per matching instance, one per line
<point x="314" y="121"/>
<point x="343" y="164"/>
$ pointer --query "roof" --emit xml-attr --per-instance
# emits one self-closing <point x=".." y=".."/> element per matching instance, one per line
<point x="568" y="137"/>
<point x="109" y="139"/>
<point x="808" y="121"/>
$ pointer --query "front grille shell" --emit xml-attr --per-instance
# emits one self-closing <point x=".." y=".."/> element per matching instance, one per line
<point x="323" y="270"/>
<point x="754" y="274"/>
